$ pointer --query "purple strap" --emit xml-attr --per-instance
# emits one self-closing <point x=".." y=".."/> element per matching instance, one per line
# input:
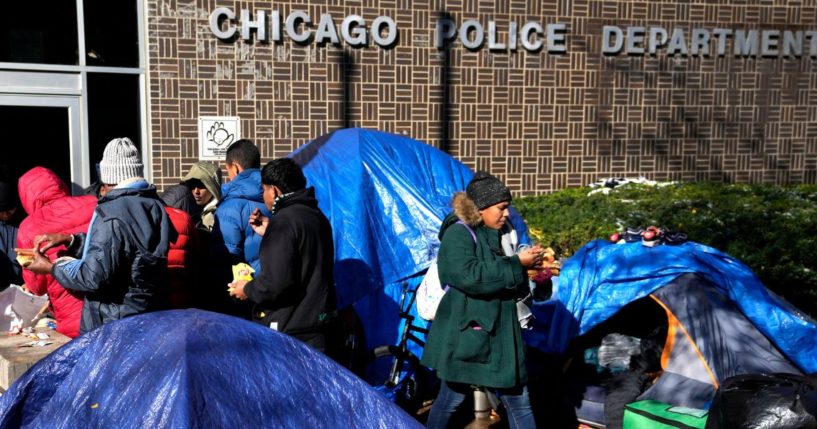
<point x="474" y="236"/>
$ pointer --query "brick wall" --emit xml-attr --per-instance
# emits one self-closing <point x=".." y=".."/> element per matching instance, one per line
<point x="540" y="121"/>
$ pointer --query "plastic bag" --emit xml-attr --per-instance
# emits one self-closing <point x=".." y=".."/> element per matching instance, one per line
<point x="18" y="308"/>
<point x="755" y="401"/>
<point x="616" y="350"/>
<point x="429" y="293"/>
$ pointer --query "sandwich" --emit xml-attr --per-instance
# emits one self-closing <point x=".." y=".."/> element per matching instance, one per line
<point x="24" y="256"/>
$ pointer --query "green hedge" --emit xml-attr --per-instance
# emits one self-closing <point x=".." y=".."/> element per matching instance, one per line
<point x="770" y="228"/>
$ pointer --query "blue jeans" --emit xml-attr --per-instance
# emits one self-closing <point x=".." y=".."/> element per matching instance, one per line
<point x="452" y="395"/>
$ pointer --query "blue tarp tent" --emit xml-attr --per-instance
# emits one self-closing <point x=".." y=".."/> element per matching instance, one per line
<point x="722" y="321"/>
<point x="601" y="278"/>
<point x="386" y="196"/>
<point x="188" y="369"/>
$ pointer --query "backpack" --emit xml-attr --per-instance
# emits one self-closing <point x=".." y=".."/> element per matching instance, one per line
<point x="430" y="292"/>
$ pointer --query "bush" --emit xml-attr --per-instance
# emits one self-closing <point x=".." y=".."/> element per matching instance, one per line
<point x="770" y="228"/>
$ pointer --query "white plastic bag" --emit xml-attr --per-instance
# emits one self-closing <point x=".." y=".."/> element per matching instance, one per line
<point x="18" y="308"/>
<point x="429" y="293"/>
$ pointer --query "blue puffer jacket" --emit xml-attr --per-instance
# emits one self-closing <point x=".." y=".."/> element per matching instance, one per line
<point x="239" y="197"/>
<point x="123" y="265"/>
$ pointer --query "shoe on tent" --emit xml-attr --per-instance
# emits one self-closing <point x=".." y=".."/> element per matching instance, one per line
<point x="721" y="321"/>
<point x="192" y="368"/>
<point x="386" y="196"/>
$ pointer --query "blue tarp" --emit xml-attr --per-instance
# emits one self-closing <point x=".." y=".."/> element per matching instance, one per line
<point x="386" y="196"/>
<point x="601" y="278"/>
<point x="192" y="368"/>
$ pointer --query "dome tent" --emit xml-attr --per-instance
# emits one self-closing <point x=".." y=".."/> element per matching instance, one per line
<point x="605" y="277"/>
<point x="189" y="369"/>
<point x="720" y="320"/>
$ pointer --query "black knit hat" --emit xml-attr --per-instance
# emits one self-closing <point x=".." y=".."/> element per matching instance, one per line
<point x="8" y="196"/>
<point x="486" y="190"/>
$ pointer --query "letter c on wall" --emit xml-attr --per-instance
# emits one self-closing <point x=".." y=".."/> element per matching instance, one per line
<point x="215" y="17"/>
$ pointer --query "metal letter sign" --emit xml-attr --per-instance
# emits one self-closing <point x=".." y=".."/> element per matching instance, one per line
<point x="533" y="35"/>
<point x="216" y="134"/>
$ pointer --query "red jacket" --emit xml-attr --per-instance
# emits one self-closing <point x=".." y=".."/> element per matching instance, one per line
<point x="181" y="258"/>
<point x="52" y="209"/>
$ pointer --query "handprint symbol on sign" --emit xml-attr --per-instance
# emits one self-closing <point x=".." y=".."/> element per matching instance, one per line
<point x="219" y="135"/>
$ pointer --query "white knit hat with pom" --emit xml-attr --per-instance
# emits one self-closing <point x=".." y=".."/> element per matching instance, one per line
<point x="120" y="161"/>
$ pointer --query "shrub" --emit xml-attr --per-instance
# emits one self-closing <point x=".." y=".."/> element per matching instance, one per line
<point x="770" y="228"/>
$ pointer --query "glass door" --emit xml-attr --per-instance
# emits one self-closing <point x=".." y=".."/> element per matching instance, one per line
<point x="43" y="130"/>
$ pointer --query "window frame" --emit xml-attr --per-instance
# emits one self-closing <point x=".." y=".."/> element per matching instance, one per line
<point x="82" y="71"/>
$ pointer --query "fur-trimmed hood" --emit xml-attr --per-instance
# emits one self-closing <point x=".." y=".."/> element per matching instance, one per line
<point x="464" y="210"/>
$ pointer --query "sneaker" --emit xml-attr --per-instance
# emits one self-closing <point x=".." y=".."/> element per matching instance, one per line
<point x="631" y="235"/>
<point x="675" y="237"/>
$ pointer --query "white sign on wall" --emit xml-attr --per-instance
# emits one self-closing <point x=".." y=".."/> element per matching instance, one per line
<point x="216" y="134"/>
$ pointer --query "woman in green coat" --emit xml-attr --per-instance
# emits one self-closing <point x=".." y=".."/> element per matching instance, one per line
<point x="475" y="338"/>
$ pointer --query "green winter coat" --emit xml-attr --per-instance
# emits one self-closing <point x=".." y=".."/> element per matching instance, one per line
<point x="482" y="295"/>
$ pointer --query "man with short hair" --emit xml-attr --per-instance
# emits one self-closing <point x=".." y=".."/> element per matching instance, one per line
<point x="240" y="197"/>
<point x="122" y="265"/>
<point x="294" y="292"/>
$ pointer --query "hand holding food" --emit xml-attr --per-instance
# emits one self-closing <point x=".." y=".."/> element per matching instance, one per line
<point x="242" y="274"/>
<point x="40" y="264"/>
<point x="531" y="257"/>
<point x="236" y="289"/>
<point x="549" y="267"/>
<point x="51" y="240"/>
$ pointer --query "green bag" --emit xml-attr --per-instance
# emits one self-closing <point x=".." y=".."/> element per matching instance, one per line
<point x="653" y="414"/>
